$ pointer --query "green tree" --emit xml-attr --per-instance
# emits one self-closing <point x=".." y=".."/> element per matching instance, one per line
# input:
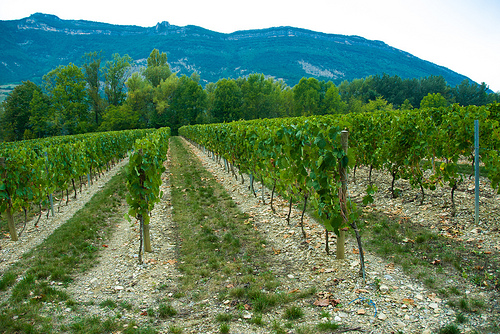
<point x="41" y="116"/>
<point x="470" y="93"/>
<point x="435" y="100"/>
<point x="227" y="101"/>
<point x="406" y="105"/>
<point x="163" y="95"/>
<point x="65" y="86"/>
<point x="208" y="116"/>
<point x="358" y="90"/>
<point x="158" y="68"/>
<point x="306" y="96"/>
<point x="188" y="101"/>
<point x="119" y="118"/>
<point x="379" y="104"/>
<point x="115" y="74"/>
<point x="17" y="111"/>
<point x="435" y="84"/>
<point x="333" y="103"/>
<point x="91" y="69"/>
<point x="140" y="99"/>
<point x="256" y="92"/>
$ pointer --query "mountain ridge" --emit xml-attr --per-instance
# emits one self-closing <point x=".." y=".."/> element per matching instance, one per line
<point x="32" y="46"/>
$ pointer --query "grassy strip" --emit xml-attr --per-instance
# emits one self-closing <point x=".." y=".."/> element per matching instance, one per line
<point x="72" y="248"/>
<point x="220" y="253"/>
<point x="433" y="259"/>
<point x="428" y="255"/>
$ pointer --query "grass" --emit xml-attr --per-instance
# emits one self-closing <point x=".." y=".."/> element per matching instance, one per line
<point x="224" y="317"/>
<point x="293" y="313"/>
<point x="440" y="263"/>
<point x="216" y="241"/>
<point x="166" y="311"/>
<point x="108" y="303"/>
<point x="71" y="249"/>
<point x="449" y="329"/>
<point x="224" y="328"/>
<point x="213" y="236"/>
<point x="430" y="257"/>
<point x="327" y="326"/>
<point x="217" y="244"/>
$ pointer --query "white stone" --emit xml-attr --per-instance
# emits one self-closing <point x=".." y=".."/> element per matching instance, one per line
<point x="247" y="315"/>
<point x="433" y="306"/>
<point x="383" y="288"/>
<point x="382" y="316"/>
<point x="337" y="319"/>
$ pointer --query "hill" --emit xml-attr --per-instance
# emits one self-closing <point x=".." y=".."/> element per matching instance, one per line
<point x="32" y="46"/>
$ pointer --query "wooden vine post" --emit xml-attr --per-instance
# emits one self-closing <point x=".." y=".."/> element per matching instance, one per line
<point x="8" y="211"/>
<point x="342" y="196"/>
<point x="144" y="226"/>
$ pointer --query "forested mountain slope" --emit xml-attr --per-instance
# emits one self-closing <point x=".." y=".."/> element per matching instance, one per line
<point x="31" y="47"/>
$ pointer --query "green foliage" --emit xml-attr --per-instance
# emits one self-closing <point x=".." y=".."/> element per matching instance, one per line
<point x="91" y="70"/>
<point x="433" y="100"/>
<point x="144" y="173"/>
<point x="166" y="311"/>
<point x="158" y="68"/>
<point x="115" y="74"/>
<point x="33" y="169"/>
<point x="470" y="93"/>
<point x="119" y="118"/>
<point x="68" y="111"/>
<point x="15" y="119"/>
<point x="449" y="329"/>
<point x="301" y="155"/>
<point x="227" y="101"/>
<point x="293" y="313"/>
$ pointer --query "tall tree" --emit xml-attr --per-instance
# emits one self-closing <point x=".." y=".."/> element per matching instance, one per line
<point x="41" y="117"/>
<point x="91" y="70"/>
<point x="435" y="84"/>
<point x="115" y="74"/>
<point x="17" y="111"/>
<point x="306" y="96"/>
<point x="470" y="93"/>
<point x="65" y="86"/>
<point x="119" y="118"/>
<point x="141" y="99"/>
<point x="227" y="101"/>
<point x="188" y="101"/>
<point x="333" y="103"/>
<point x="163" y="115"/>
<point x="158" y="68"/>
<point x="257" y="101"/>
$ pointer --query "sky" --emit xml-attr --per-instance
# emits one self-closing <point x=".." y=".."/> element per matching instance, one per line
<point x="462" y="35"/>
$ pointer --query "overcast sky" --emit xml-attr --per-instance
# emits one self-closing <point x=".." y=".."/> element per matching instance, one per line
<point x="462" y="35"/>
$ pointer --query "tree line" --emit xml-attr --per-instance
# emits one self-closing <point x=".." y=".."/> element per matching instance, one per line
<point x="115" y="95"/>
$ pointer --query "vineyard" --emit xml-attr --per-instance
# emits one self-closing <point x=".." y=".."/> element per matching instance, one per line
<point x="321" y="173"/>
<point x="302" y="157"/>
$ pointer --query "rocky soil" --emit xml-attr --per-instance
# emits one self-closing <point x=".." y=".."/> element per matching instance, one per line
<point x="389" y="301"/>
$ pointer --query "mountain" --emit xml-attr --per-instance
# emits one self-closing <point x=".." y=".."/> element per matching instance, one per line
<point x="31" y="47"/>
